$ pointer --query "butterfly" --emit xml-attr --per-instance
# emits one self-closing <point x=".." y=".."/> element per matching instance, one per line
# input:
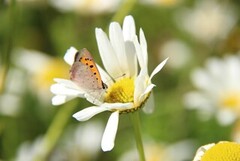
<point x="85" y="74"/>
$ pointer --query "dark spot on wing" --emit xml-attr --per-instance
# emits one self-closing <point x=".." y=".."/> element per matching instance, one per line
<point x="91" y="66"/>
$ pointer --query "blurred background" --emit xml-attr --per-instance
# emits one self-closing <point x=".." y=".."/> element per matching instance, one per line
<point x="197" y="98"/>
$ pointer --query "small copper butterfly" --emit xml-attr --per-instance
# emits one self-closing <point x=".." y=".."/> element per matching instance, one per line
<point x="85" y="74"/>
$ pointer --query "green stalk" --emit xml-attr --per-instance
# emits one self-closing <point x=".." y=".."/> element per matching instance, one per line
<point x="137" y="132"/>
<point x="124" y="10"/>
<point x="55" y="130"/>
<point x="5" y="60"/>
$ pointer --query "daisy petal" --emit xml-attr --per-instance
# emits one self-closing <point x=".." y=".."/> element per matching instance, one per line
<point x="61" y="99"/>
<point x="62" y="90"/>
<point x="148" y="89"/>
<point x="121" y="106"/>
<point x="140" y="84"/>
<point x="70" y="54"/>
<point x="117" y="41"/>
<point x="143" y="44"/>
<point x="201" y="151"/>
<point x="129" y="30"/>
<point x="131" y="58"/>
<point x="146" y="92"/>
<point x="158" y="68"/>
<point x="88" y="113"/>
<point x="109" y="58"/>
<point x="139" y="53"/>
<point x="149" y="105"/>
<point x="110" y="132"/>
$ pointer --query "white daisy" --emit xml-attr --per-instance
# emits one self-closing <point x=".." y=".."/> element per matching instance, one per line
<point x="218" y="89"/>
<point x="130" y="88"/>
<point x="203" y="21"/>
<point x="28" y="150"/>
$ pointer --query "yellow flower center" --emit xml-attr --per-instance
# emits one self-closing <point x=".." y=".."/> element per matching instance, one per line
<point x="223" y="151"/>
<point x="232" y="100"/>
<point x="121" y="91"/>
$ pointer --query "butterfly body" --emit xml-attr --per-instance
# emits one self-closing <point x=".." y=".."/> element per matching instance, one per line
<point x="85" y="74"/>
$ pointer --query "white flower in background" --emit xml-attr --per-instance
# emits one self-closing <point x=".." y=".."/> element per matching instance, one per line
<point x="178" y="52"/>
<point x="218" y="89"/>
<point x="179" y="151"/>
<point x="14" y="87"/>
<point x="208" y="21"/>
<point x="86" y="6"/>
<point x="225" y="151"/>
<point x="80" y="143"/>
<point x="28" y="150"/>
<point x="40" y="70"/>
<point x="128" y="91"/>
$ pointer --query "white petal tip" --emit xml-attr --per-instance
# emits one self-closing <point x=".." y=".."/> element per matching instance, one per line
<point x="88" y="113"/>
<point x="128" y="18"/>
<point x="70" y="54"/>
<point x="158" y="68"/>
<point x="110" y="131"/>
<point x="106" y="148"/>
<point x="58" y="100"/>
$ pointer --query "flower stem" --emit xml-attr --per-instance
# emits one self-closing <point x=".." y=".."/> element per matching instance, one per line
<point x="137" y="132"/>
<point x="55" y="130"/>
<point x="7" y="49"/>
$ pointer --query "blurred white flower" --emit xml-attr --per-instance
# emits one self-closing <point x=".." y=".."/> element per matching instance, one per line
<point x="28" y="150"/>
<point x="179" y="151"/>
<point x="86" y="6"/>
<point x="208" y="20"/>
<point x="14" y="87"/>
<point x="128" y="89"/>
<point x="178" y="52"/>
<point x="40" y="70"/>
<point x="225" y="151"/>
<point x="80" y="144"/>
<point x="218" y="89"/>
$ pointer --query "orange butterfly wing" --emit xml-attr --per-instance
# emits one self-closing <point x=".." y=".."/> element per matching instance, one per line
<point x="84" y="72"/>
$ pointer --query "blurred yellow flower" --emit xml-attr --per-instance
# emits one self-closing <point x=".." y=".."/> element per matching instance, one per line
<point x="54" y="67"/>
<point x="41" y="69"/>
<point x="222" y="151"/>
